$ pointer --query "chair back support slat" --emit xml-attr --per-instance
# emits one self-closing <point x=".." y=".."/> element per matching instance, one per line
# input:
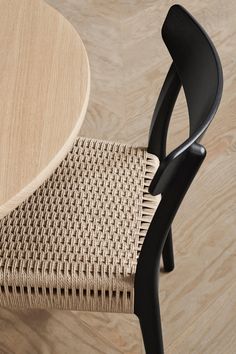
<point x="197" y="65"/>
<point x="162" y="114"/>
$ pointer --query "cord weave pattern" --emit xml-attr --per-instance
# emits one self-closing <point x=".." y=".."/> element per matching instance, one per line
<point x="74" y="244"/>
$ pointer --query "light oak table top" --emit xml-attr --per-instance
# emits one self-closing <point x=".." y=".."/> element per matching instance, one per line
<point x="44" y="90"/>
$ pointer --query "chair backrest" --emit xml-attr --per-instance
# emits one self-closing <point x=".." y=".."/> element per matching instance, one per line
<point x="196" y="67"/>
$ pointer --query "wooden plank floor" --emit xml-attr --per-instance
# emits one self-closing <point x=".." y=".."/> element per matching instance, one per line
<point x="198" y="300"/>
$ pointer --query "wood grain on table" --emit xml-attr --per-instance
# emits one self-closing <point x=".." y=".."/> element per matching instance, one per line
<point x="44" y="89"/>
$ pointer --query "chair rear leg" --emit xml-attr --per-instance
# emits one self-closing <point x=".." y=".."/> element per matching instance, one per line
<point x="168" y="253"/>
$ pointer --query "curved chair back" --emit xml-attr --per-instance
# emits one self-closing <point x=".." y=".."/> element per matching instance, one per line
<point x="196" y="66"/>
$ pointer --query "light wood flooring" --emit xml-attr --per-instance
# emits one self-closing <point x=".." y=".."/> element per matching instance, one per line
<point x="198" y="300"/>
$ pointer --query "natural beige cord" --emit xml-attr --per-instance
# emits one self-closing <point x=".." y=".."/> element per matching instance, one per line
<point x="74" y="243"/>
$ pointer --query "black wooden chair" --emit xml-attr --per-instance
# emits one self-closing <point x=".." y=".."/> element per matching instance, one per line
<point x="91" y="237"/>
<point x="196" y="66"/>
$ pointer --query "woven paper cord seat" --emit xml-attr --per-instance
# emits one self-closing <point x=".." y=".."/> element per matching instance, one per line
<point x="74" y="243"/>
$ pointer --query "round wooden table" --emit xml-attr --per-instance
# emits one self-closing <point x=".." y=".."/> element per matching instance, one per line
<point x="44" y="91"/>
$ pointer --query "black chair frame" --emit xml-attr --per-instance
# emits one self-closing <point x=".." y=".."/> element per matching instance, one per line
<point x="196" y="67"/>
